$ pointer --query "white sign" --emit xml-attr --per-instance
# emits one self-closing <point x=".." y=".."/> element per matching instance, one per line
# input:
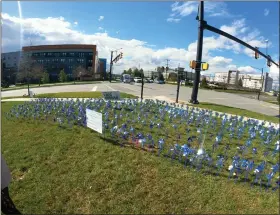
<point x="31" y="93"/>
<point x="94" y="120"/>
<point x="113" y="95"/>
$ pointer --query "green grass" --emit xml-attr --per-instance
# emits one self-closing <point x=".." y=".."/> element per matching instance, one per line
<point x="274" y="102"/>
<point x="235" y="111"/>
<point x="63" y="170"/>
<point x="238" y="91"/>
<point x="50" y="85"/>
<point x="73" y="95"/>
<point x="238" y="111"/>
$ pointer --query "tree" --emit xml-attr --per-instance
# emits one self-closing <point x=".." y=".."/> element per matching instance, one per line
<point x="136" y="73"/>
<point x="62" y="76"/>
<point x="46" y="77"/>
<point x="38" y="72"/>
<point x="141" y="71"/>
<point x="77" y="72"/>
<point x="27" y="69"/>
<point x="204" y="82"/>
<point x="240" y="83"/>
<point x="129" y="71"/>
<point x="161" y="78"/>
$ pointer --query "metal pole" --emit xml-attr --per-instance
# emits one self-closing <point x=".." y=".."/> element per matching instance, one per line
<point x="178" y="86"/>
<point x="261" y="87"/>
<point x="142" y="86"/>
<point x="198" y="54"/>
<point x="111" y="65"/>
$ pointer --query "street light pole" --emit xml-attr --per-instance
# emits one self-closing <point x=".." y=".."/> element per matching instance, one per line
<point x="198" y="54"/>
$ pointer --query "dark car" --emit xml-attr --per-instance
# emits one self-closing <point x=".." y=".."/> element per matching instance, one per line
<point x="159" y="81"/>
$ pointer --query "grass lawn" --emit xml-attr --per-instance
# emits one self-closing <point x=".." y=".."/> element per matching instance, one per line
<point x="63" y="170"/>
<point x="73" y="95"/>
<point x="238" y="91"/>
<point x="236" y="111"/>
<point x="51" y="84"/>
<point x="274" y="102"/>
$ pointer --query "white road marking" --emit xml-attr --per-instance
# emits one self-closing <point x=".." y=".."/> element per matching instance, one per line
<point x="94" y="88"/>
<point x="110" y="87"/>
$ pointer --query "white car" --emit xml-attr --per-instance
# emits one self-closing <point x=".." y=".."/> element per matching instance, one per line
<point x="138" y="80"/>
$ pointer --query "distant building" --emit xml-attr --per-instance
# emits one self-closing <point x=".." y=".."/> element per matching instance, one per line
<point x="102" y="67"/>
<point x="221" y="77"/>
<point x="11" y="59"/>
<point x="54" y="58"/>
<point x="252" y="81"/>
<point x="233" y="76"/>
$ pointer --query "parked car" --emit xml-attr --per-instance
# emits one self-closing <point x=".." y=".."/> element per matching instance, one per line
<point x="138" y="80"/>
<point x="159" y="81"/>
<point x="147" y="80"/>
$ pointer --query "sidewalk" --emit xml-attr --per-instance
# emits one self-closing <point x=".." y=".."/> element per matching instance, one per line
<point x="162" y="98"/>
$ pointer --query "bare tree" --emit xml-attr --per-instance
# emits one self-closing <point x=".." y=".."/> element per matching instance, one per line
<point x="38" y="72"/>
<point x="27" y="69"/>
<point x="78" y="71"/>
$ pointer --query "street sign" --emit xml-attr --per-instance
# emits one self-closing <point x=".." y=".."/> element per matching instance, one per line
<point x="94" y="120"/>
<point x="112" y="95"/>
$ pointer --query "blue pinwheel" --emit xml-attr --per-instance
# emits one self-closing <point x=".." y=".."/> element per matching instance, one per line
<point x="219" y="164"/>
<point x="160" y="145"/>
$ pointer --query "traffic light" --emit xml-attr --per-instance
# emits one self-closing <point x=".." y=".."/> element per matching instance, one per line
<point x="192" y="64"/>
<point x="257" y="55"/>
<point x="205" y="66"/>
<point x="269" y="61"/>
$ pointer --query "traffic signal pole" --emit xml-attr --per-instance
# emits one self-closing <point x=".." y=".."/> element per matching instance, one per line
<point x="202" y="24"/>
<point x="198" y="54"/>
<point x="111" y="65"/>
<point x="218" y="31"/>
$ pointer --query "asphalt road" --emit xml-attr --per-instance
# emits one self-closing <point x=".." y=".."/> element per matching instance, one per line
<point x="164" y="91"/>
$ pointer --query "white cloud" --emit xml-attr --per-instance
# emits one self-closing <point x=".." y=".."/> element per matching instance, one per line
<point x="266" y="12"/>
<point x="170" y="19"/>
<point x="219" y="61"/>
<point x="100" y="18"/>
<point x="274" y="72"/>
<point x="57" y="30"/>
<point x="247" y="69"/>
<point x="76" y="23"/>
<point x="100" y="28"/>
<point x="213" y="9"/>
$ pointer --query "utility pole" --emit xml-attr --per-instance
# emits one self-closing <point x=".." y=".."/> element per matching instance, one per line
<point x="261" y="87"/>
<point x="111" y="65"/>
<point x="166" y="69"/>
<point x="178" y="84"/>
<point x="198" y="54"/>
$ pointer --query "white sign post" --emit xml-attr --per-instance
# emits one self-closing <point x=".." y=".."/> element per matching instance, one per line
<point x="112" y="95"/>
<point x="31" y="93"/>
<point x="94" y="120"/>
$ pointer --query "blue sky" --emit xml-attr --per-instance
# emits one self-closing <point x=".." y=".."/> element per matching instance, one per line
<point x="163" y="28"/>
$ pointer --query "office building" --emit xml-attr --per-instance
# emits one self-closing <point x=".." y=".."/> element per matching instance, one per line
<point x="54" y="58"/>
